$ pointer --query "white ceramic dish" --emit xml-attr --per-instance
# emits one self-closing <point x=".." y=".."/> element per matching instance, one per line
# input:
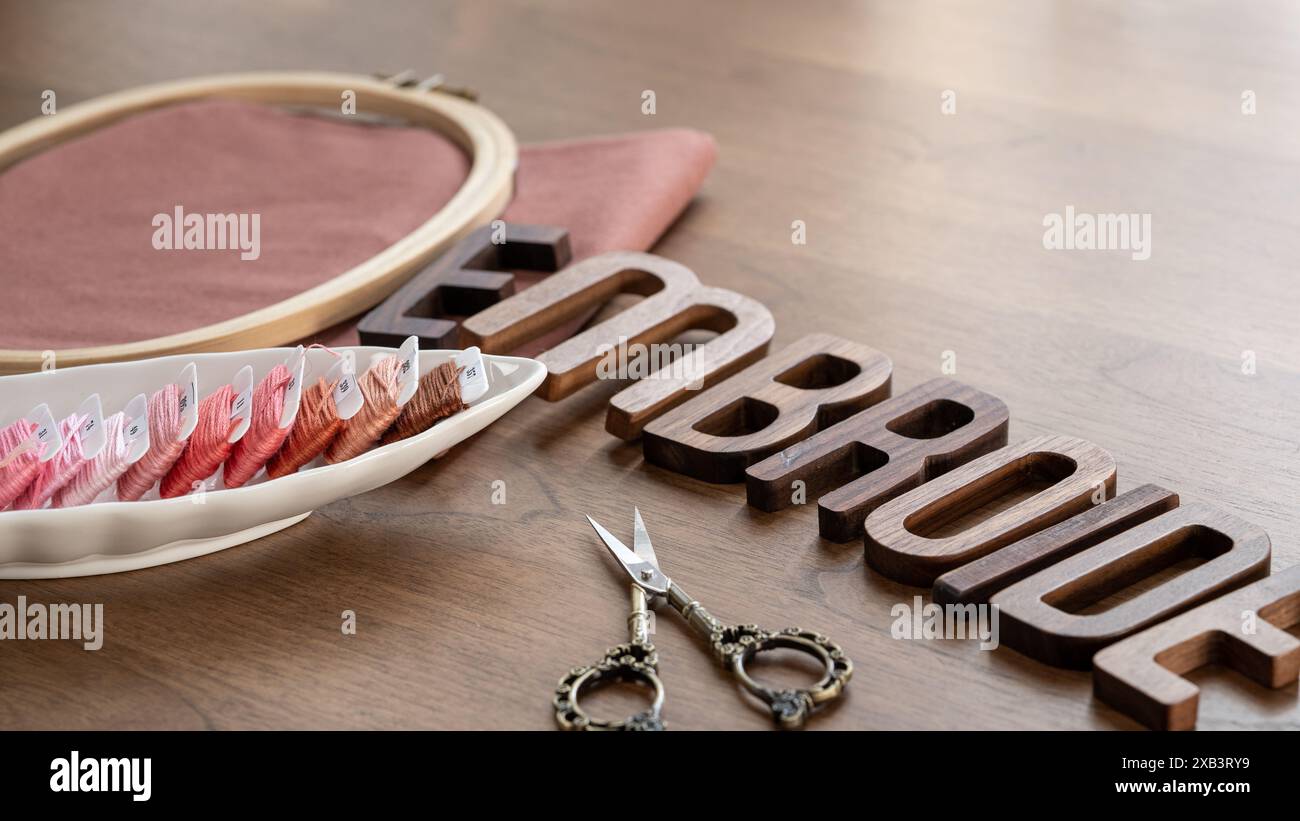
<point x="108" y="537"/>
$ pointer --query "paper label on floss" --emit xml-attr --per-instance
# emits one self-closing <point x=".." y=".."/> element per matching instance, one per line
<point x="135" y="428"/>
<point x="348" y="398"/>
<point x="189" y="401"/>
<point x="47" y="439"/>
<point x="291" y="362"/>
<point x="297" y="365"/>
<point x="241" y="410"/>
<point x="92" y="428"/>
<point x="473" y="379"/>
<point x="408" y="370"/>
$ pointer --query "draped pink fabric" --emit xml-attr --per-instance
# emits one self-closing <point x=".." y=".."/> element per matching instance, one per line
<point x="78" y="264"/>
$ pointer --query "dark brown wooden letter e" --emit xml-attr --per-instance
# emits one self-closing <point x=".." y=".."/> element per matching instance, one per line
<point x="474" y="274"/>
<point x="1057" y="615"/>
<point x="945" y="523"/>
<point x="633" y="340"/>
<point x="879" y="453"/>
<point x="1143" y="674"/>
<point x="807" y="386"/>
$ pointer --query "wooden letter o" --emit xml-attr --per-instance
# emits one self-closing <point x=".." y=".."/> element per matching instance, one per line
<point x="907" y="539"/>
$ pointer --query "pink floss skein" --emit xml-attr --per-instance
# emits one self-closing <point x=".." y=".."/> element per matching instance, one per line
<point x="264" y="435"/>
<point x="54" y="474"/>
<point x="165" y="445"/>
<point x="96" y="475"/>
<point x="17" y="474"/>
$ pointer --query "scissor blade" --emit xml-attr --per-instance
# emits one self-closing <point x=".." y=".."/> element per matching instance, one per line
<point x="641" y="540"/>
<point x="644" y="574"/>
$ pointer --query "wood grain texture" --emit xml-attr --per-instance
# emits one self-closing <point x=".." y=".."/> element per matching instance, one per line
<point x="855" y="466"/>
<point x="1143" y="676"/>
<point x="976" y="582"/>
<point x="1047" y="616"/>
<point x="924" y="236"/>
<point x="807" y="386"/>
<point x="674" y="302"/>
<point x="985" y="505"/>
<point x="474" y="274"/>
<point x="482" y="196"/>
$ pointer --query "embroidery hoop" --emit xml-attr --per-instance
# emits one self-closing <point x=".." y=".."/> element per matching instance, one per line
<point x="482" y="196"/>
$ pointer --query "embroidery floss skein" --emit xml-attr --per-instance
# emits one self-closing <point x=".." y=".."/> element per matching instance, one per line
<point x="264" y="435"/>
<point x="51" y="476"/>
<point x="98" y="474"/>
<point x="18" y="473"/>
<point x="317" y="424"/>
<point x="379" y="387"/>
<point x="164" y="447"/>
<point x="208" y="445"/>
<point x="437" y="397"/>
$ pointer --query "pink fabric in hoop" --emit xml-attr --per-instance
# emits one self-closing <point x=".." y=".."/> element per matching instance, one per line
<point x="78" y="263"/>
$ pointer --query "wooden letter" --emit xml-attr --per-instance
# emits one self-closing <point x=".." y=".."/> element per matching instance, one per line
<point x="880" y="453"/>
<point x="1142" y="675"/>
<point x="808" y="385"/>
<point x="927" y="531"/>
<point x="471" y="276"/>
<point x="1044" y="615"/>
<point x="976" y="582"/>
<point x="674" y="302"/>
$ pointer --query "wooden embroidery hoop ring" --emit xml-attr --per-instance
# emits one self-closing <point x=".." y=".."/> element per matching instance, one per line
<point x="481" y="198"/>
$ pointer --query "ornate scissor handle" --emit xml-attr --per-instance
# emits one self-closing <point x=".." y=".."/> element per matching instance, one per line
<point x="636" y="662"/>
<point x="790" y="708"/>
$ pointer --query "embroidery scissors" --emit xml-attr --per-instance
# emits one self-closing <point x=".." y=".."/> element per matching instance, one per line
<point x="638" y="662"/>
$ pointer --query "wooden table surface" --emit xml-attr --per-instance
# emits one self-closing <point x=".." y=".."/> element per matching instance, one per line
<point x="924" y="235"/>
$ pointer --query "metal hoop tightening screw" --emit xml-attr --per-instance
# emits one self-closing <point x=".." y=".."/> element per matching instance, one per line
<point x="434" y="82"/>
